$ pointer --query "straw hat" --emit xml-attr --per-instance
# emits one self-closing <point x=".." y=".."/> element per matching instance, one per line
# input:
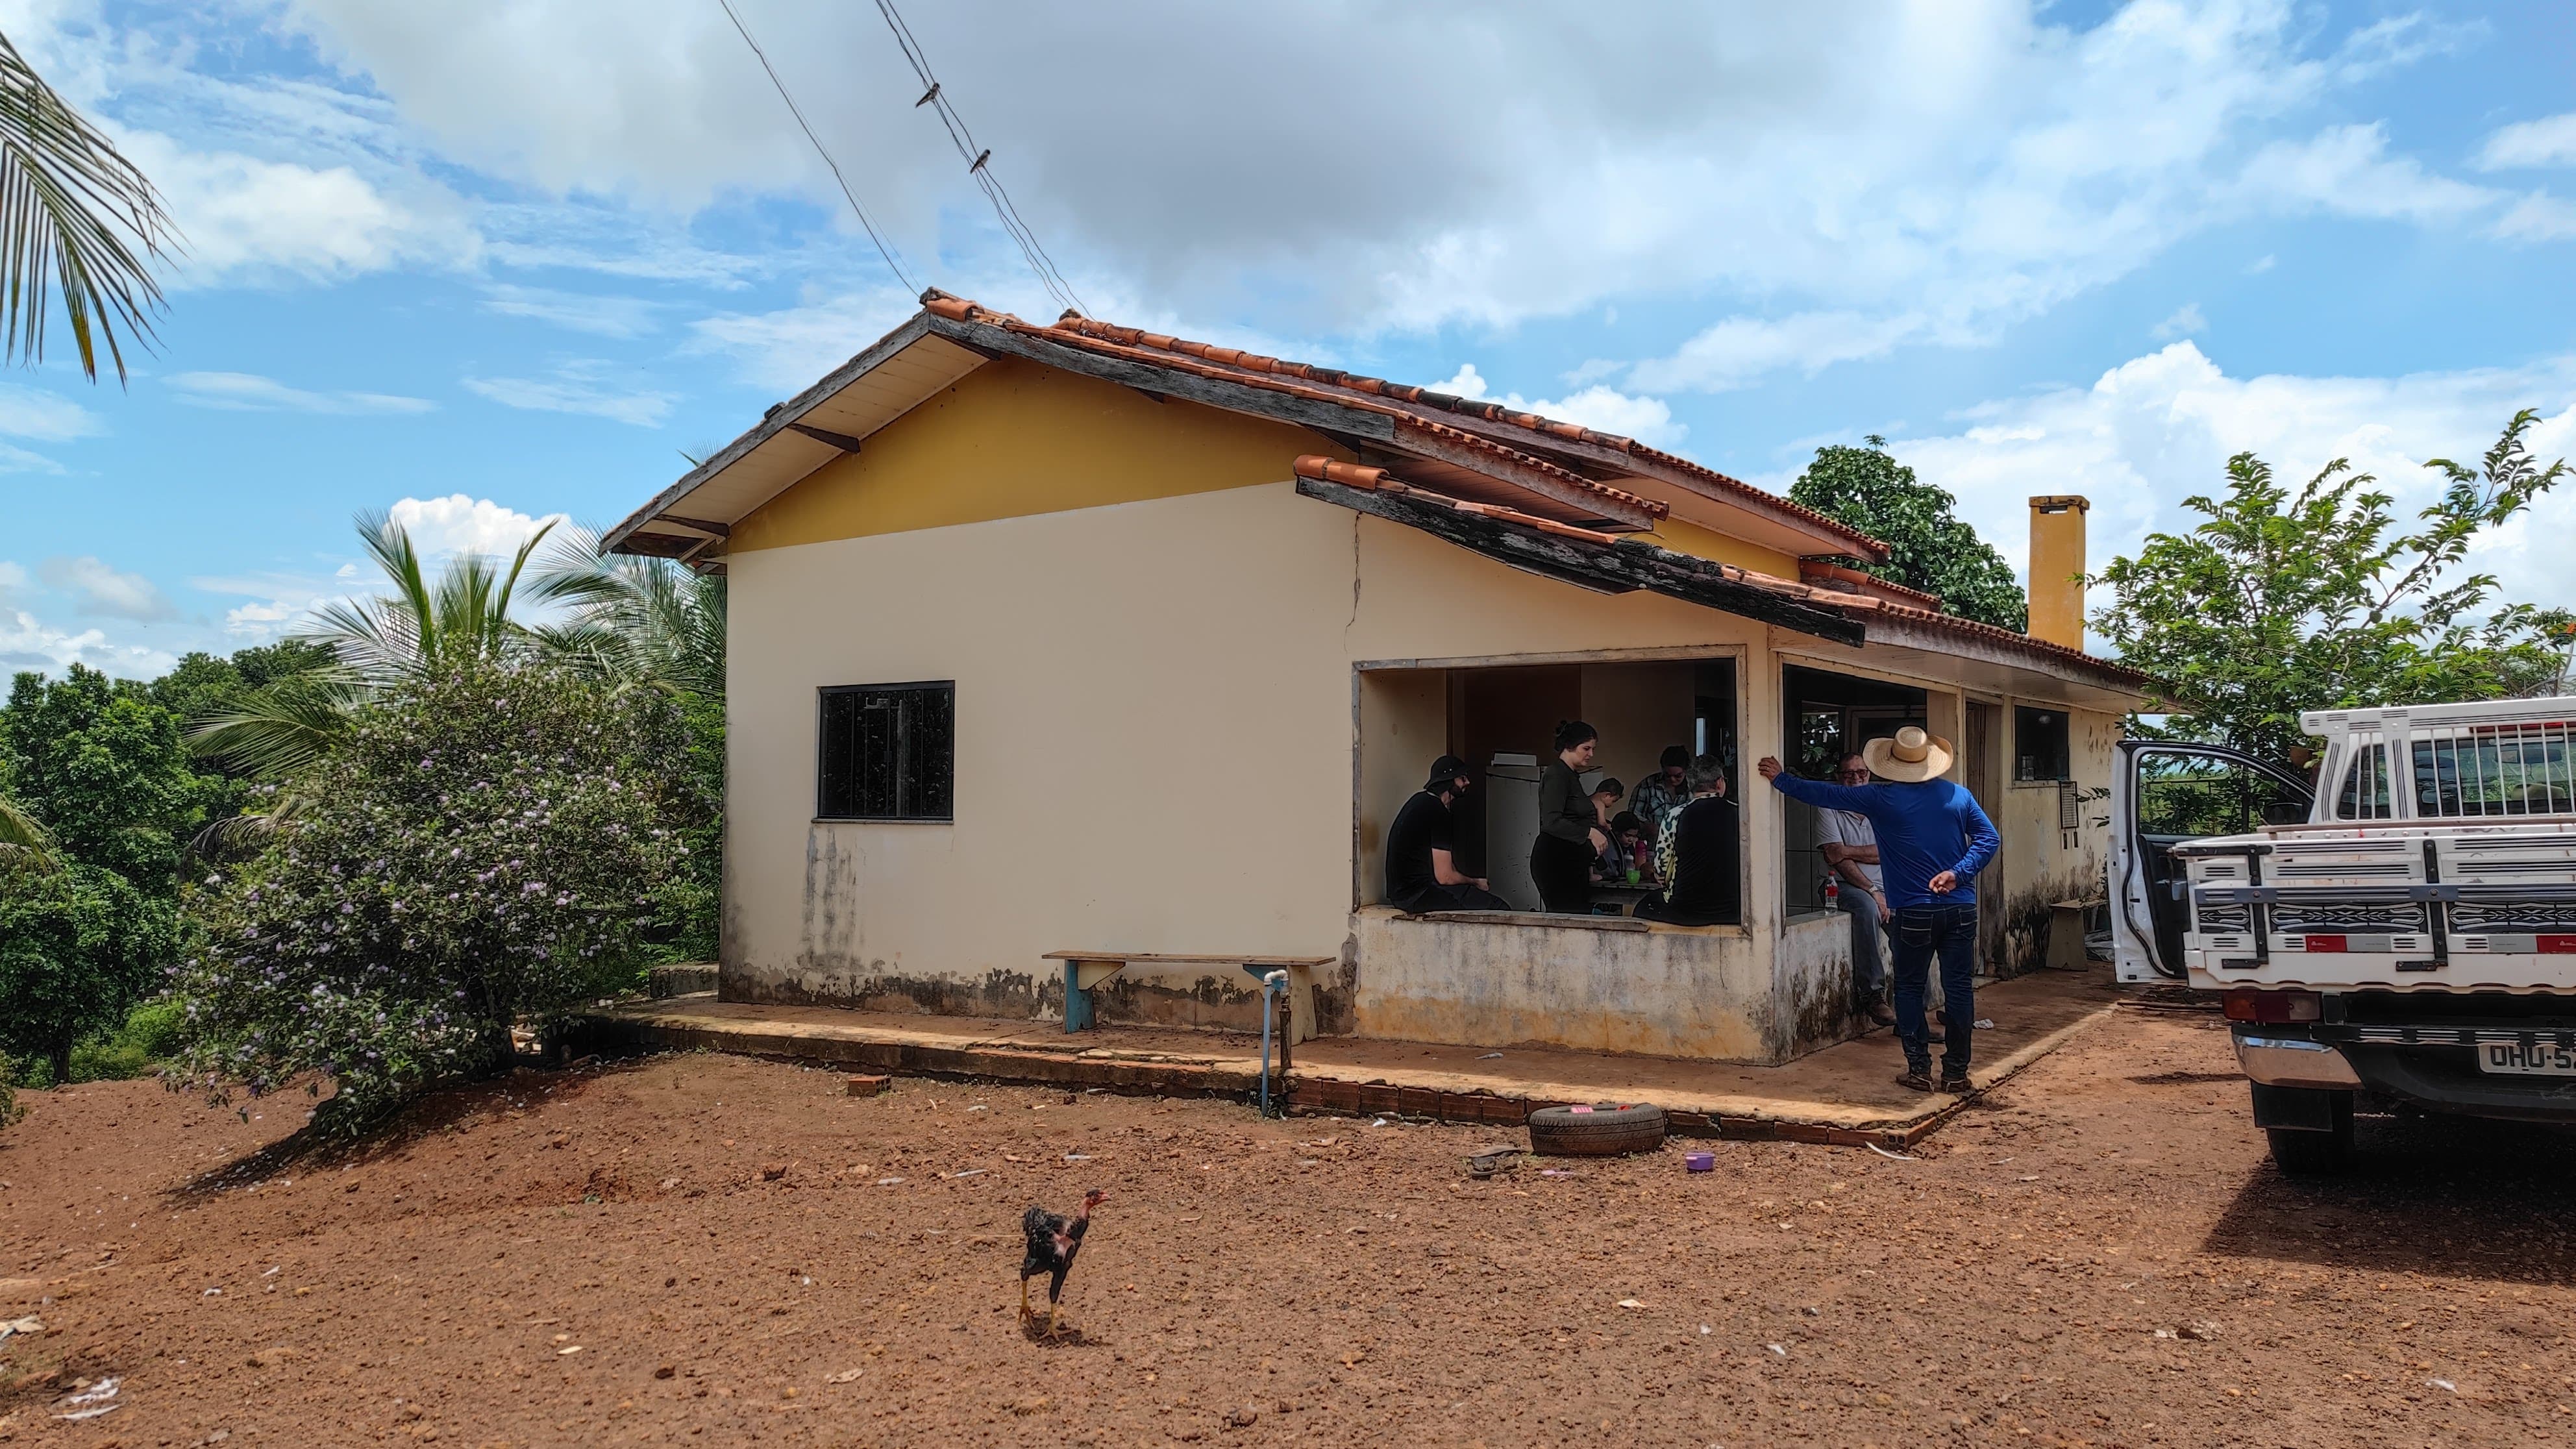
<point x="1912" y="756"/>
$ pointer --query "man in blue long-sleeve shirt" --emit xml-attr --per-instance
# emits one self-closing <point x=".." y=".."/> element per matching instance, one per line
<point x="1932" y="841"/>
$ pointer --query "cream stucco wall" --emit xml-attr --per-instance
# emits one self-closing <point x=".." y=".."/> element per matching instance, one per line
<point x="1156" y="732"/>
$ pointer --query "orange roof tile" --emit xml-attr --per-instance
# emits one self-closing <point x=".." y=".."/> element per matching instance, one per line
<point x="1346" y="382"/>
<point x="1227" y="364"/>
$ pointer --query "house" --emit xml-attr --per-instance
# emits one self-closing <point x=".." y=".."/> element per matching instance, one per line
<point x="1074" y="638"/>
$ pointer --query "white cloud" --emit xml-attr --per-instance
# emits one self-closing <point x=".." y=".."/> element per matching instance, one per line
<point x="1741" y="350"/>
<point x="2261" y="264"/>
<point x="2550" y="141"/>
<point x="2538" y="217"/>
<point x="249" y="392"/>
<point x="578" y="311"/>
<point x="1970" y="162"/>
<point x="2185" y="321"/>
<point x="96" y="588"/>
<point x="789" y="348"/>
<point x="2346" y="169"/>
<point x="575" y="388"/>
<point x="460" y="523"/>
<point x="2160" y="428"/>
<point x="32" y="412"/>
<point x="245" y="218"/>
<point x="1648" y="420"/>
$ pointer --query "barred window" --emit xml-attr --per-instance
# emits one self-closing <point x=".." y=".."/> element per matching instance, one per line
<point x="2520" y="769"/>
<point x="887" y="752"/>
<point x="2365" y="786"/>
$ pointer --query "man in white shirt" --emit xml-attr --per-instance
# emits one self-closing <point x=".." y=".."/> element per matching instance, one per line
<point x="1849" y="845"/>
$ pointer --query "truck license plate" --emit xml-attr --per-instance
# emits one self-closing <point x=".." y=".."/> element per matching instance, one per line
<point x="2543" y="1060"/>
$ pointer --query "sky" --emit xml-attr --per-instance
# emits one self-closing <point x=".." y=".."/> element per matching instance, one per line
<point x="483" y="263"/>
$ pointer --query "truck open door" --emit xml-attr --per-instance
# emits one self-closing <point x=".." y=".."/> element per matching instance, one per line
<point x="2162" y="795"/>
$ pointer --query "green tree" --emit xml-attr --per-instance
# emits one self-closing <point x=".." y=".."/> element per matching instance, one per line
<point x="102" y="771"/>
<point x="2282" y="602"/>
<point x="489" y="842"/>
<point x="1929" y="548"/>
<point x="88" y="913"/>
<point x="74" y="216"/>
<point x="78" y="945"/>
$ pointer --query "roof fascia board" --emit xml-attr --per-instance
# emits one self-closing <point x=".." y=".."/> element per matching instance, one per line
<point x="1323" y="417"/>
<point x="1895" y="629"/>
<point x="912" y="331"/>
<point x="1608" y="568"/>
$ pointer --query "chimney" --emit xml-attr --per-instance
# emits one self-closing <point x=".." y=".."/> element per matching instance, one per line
<point x="2056" y="569"/>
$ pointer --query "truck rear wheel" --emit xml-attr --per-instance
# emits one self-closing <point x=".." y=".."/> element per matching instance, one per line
<point x="2305" y="1153"/>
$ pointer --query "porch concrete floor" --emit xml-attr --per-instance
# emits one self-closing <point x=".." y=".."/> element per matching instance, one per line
<point x="1845" y="1093"/>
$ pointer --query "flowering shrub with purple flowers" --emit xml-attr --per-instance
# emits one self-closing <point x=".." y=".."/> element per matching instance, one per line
<point x="493" y="843"/>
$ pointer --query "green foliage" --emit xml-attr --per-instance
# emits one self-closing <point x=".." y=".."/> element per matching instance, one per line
<point x="2283" y="602"/>
<point x="1929" y="548"/>
<point x="644" y="620"/>
<point x="150" y="1036"/>
<point x="88" y="920"/>
<point x="10" y="1111"/>
<point x="489" y="841"/>
<point x="101" y="769"/>
<point x="77" y="944"/>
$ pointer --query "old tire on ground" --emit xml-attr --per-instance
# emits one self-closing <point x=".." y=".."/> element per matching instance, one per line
<point x="1608" y="1130"/>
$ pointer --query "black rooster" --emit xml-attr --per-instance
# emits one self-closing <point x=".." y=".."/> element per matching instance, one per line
<point x="1053" y="1241"/>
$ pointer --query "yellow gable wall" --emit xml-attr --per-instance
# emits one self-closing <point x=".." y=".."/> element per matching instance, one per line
<point x="1014" y="438"/>
<point x="1700" y="542"/>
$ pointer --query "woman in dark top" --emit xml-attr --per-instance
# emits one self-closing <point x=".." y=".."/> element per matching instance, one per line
<point x="1707" y="851"/>
<point x="1569" y="827"/>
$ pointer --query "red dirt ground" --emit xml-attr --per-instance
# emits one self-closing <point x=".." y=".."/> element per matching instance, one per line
<point x="2099" y="1253"/>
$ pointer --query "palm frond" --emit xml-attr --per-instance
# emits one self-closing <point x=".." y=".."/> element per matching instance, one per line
<point x="77" y="217"/>
<point x="670" y="618"/>
<point x="23" y="838"/>
<point x="284" y="727"/>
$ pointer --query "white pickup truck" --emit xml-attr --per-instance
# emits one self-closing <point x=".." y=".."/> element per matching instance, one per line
<point x="2406" y="937"/>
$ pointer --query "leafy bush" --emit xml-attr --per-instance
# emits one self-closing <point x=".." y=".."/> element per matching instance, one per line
<point x="490" y="842"/>
<point x="150" y="1036"/>
<point x="77" y="943"/>
<point x="9" y="1108"/>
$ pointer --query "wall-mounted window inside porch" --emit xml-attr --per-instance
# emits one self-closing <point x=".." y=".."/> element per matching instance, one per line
<point x="1829" y="716"/>
<point x="886" y="752"/>
<point x="2040" y="745"/>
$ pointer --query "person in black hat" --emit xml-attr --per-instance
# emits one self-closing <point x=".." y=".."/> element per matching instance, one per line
<point x="1422" y="872"/>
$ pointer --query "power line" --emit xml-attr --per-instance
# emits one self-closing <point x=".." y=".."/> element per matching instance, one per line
<point x="979" y="164"/>
<point x="910" y="286"/>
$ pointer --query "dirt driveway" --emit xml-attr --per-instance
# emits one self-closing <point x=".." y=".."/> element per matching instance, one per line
<point x="2099" y="1254"/>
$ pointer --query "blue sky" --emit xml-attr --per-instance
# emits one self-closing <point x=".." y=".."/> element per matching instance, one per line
<point x="483" y="263"/>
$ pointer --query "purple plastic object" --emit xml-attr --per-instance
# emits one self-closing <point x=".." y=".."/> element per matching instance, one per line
<point x="1700" y="1161"/>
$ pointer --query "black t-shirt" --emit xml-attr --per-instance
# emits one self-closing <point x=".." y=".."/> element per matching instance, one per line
<point x="1421" y="827"/>
<point x="1709" y="856"/>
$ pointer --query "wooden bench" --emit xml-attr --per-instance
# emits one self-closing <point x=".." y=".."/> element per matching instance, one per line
<point x="1084" y="970"/>
<point x="2066" y="951"/>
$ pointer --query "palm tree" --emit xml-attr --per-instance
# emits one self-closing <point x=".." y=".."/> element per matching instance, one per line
<point x="639" y="620"/>
<point x="463" y="614"/>
<point x="74" y="214"/>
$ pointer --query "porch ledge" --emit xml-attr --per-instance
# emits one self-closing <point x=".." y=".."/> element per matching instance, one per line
<point x="1521" y="918"/>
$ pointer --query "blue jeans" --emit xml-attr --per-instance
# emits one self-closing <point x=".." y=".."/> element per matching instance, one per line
<point x="1949" y="929"/>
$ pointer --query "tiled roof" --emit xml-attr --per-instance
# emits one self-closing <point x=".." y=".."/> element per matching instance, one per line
<point x="1280" y="379"/>
<point x="1862" y="606"/>
<point x="1346" y="383"/>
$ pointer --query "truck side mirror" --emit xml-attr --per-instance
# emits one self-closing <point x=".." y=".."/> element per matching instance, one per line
<point x="2285" y="812"/>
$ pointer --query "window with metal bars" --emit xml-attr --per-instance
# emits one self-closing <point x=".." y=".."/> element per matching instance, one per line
<point x="2522" y="769"/>
<point x="887" y="752"/>
<point x="2365" y="786"/>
